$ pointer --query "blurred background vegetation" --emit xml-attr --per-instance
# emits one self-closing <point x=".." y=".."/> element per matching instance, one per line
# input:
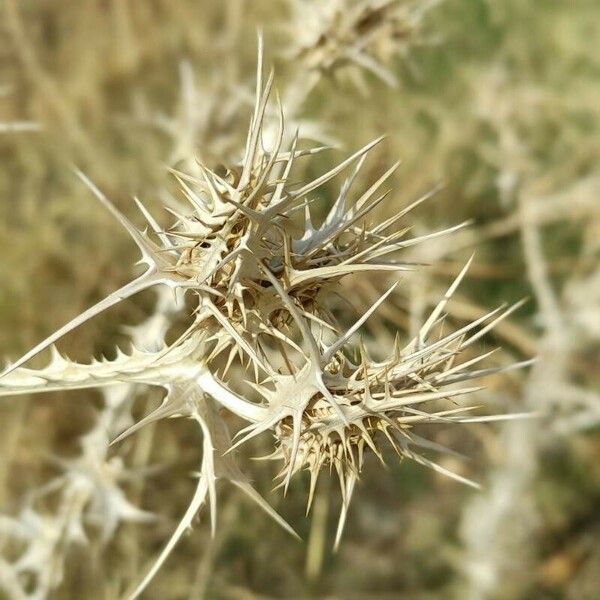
<point x="498" y="101"/>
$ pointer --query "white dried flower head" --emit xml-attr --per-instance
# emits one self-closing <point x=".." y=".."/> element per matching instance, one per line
<point x="362" y="34"/>
<point x="261" y="276"/>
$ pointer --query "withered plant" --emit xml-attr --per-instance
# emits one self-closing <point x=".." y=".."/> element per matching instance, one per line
<point x="268" y="339"/>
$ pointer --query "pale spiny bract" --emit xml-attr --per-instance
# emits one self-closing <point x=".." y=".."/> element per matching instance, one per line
<point x="263" y="289"/>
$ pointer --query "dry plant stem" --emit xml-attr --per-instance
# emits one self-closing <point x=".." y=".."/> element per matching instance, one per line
<point x="12" y="432"/>
<point x="315" y="550"/>
<point x="198" y="589"/>
<point x="497" y="551"/>
<point x="144" y="445"/>
<point x="19" y="127"/>
<point x="40" y="78"/>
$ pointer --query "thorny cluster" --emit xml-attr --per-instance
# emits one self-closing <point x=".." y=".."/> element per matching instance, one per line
<point x="262" y="279"/>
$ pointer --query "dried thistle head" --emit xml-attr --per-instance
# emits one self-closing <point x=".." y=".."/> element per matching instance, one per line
<point x="365" y="34"/>
<point x="260" y="277"/>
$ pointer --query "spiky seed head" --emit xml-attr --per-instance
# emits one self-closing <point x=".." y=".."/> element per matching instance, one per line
<point x="263" y="313"/>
